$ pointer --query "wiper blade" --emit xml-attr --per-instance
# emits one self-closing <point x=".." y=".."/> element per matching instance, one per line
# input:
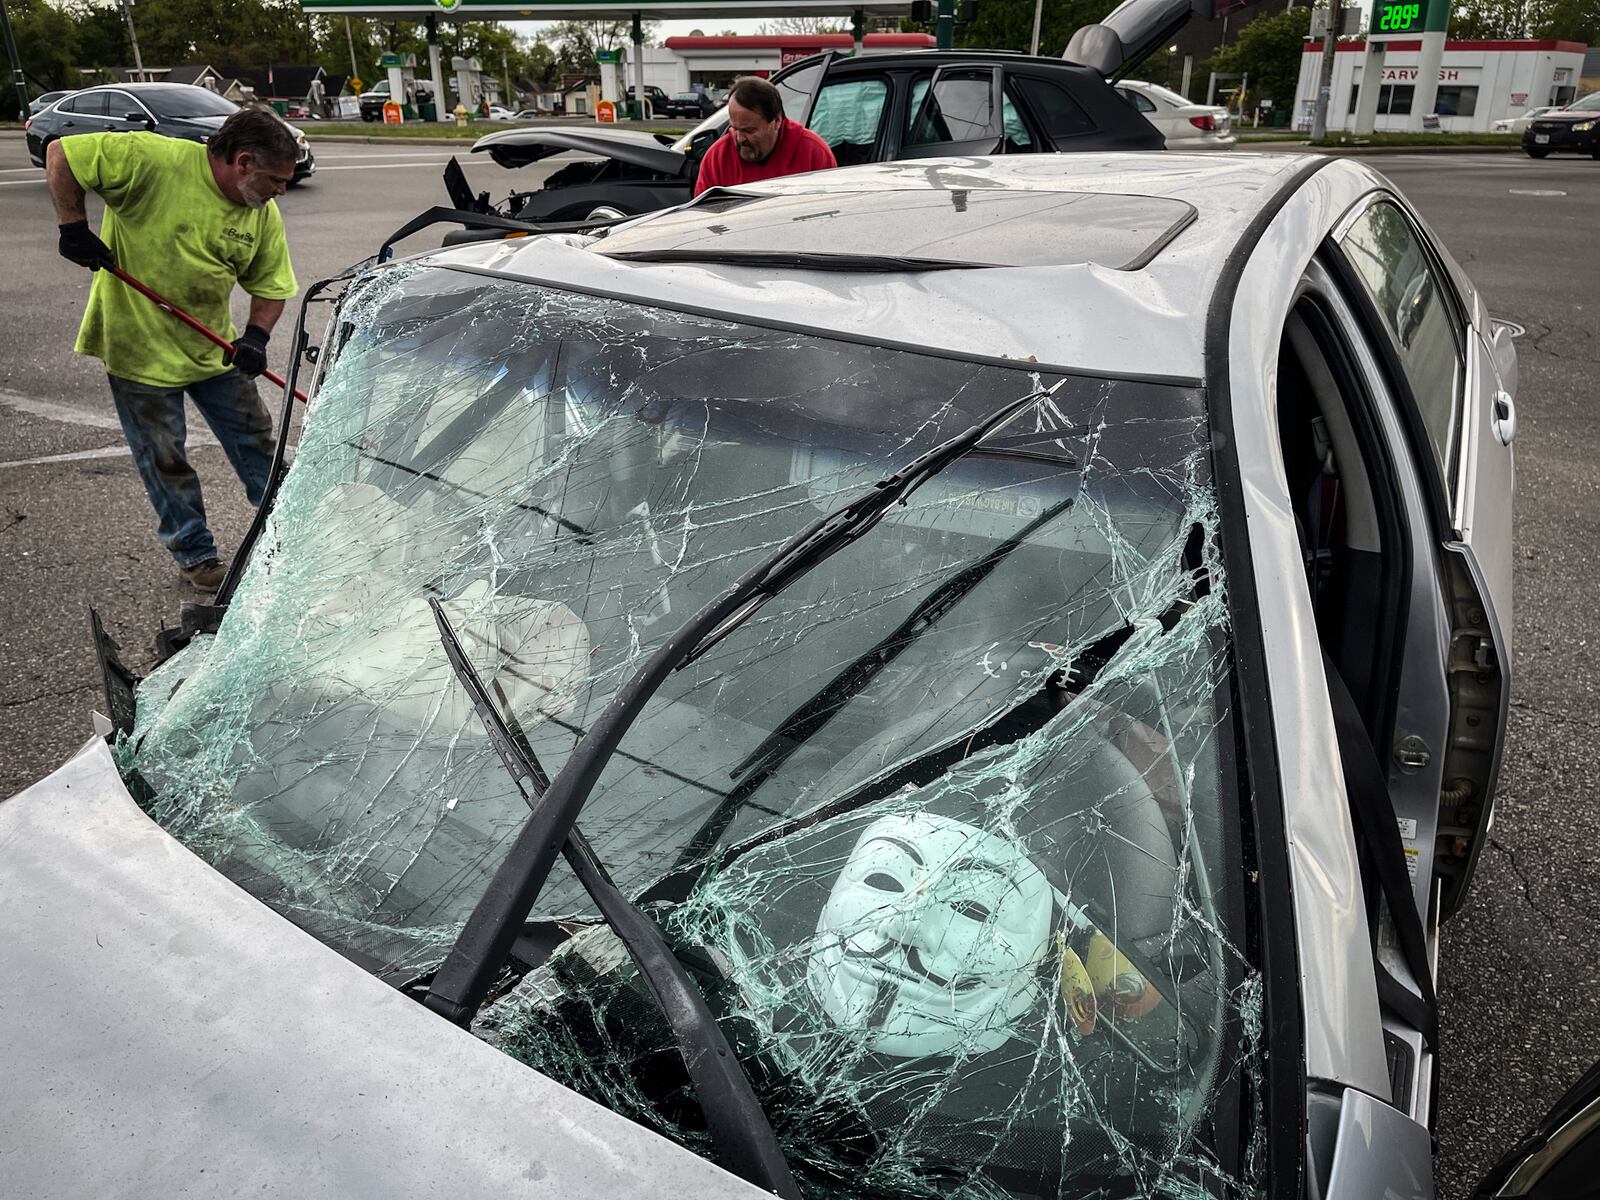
<point x="839" y="528"/>
<point x="739" y="1128"/>
<point x="468" y="971"/>
<point x="828" y="701"/>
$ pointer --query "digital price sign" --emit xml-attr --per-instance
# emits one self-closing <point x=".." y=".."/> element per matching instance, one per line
<point x="1397" y="16"/>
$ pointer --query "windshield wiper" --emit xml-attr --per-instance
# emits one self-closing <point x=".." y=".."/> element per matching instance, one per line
<point x="739" y="1128"/>
<point x="803" y="723"/>
<point x="468" y="971"/>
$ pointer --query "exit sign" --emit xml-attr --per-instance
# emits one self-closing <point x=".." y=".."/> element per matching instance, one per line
<point x="1397" y="16"/>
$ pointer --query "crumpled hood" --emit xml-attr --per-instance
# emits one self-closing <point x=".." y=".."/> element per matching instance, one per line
<point x="164" y="1034"/>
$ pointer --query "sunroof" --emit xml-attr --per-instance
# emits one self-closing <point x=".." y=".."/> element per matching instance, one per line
<point x="929" y="229"/>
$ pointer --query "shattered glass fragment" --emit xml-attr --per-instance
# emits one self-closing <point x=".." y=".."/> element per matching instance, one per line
<point x="942" y="831"/>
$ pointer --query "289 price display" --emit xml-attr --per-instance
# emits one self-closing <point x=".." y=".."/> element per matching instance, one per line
<point x="1398" y="18"/>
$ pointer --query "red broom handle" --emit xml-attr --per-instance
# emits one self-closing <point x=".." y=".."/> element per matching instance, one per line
<point x="162" y="302"/>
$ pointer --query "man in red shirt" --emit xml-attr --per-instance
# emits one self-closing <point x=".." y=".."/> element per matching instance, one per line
<point x="761" y="143"/>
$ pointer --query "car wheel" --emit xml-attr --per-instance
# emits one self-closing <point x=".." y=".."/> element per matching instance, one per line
<point x="1532" y="153"/>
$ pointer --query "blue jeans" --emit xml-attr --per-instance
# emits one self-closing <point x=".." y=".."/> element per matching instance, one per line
<point x="153" y="422"/>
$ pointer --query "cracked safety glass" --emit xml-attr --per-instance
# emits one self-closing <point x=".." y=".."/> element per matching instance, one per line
<point x="946" y="832"/>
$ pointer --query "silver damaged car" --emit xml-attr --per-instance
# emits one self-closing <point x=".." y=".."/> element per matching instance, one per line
<point x="975" y="677"/>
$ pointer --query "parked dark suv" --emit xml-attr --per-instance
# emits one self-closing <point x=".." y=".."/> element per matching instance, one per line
<point x="177" y="110"/>
<point x="871" y="108"/>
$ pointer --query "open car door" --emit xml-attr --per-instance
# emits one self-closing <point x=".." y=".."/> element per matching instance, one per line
<point x="1454" y="389"/>
<point x="1560" y="1158"/>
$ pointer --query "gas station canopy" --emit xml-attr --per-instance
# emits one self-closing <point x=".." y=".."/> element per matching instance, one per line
<point x="563" y="10"/>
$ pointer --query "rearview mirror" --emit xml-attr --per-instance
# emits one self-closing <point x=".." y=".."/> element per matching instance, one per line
<point x="1558" y="1160"/>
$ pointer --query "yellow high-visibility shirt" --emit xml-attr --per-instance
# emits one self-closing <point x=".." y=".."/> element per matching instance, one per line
<point x="170" y="227"/>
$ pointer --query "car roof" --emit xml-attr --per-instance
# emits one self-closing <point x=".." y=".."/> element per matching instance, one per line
<point x="885" y="58"/>
<point x="1142" y="317"/>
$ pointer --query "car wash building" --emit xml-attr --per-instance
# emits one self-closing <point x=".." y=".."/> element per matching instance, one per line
<point x="694" y="62"/>
<point x="1479" y="82"/>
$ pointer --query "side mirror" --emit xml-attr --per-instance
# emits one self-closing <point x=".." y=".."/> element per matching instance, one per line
<point x="1504" y="351"/>
<point x="1560" y="1159"/>
<point x="137" y="116"/>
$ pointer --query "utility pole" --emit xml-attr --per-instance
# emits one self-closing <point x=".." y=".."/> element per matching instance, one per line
<point x="505" y="74"/>
<point x="944" y="29"/>
<point x="1038" y="13"/>
<point x="1330" y="43"/>
<point x="16" y="63"/>
<point x="138" y="63"/>
<point x="350" y="41"/>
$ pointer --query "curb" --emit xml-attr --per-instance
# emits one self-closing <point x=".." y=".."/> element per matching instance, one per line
<point x="1352" y="151"/>
<point x="329" y="139"/>
<point x="1359" y="151"/>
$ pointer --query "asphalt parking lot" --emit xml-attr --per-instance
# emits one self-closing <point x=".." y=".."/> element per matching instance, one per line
<point x="1521" y="1008"/>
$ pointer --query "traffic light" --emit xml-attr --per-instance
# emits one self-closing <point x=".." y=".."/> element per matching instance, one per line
<point x="967" y="12"/>
<point x="922" y="12"/>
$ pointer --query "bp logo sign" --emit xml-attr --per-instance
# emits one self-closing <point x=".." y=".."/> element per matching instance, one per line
<point x="448" y="5"/>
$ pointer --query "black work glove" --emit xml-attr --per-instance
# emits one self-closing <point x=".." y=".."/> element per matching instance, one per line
<point x="82" y="245"/>
<point x="249" y="351"/>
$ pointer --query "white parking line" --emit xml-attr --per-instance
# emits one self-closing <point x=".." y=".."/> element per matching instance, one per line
<point x="69" y="415"/>
<point x="436" y="162"/>
<point x="65" y="413"/>
<point x="17" y="170"/>
<point x="384" y="154"/>
<point x="75" y="456"/>
<point x="21" y="182"/>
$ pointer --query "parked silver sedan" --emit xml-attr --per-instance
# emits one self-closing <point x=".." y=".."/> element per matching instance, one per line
<point x="1185" y="125"/>
<point x="966" y="676"/>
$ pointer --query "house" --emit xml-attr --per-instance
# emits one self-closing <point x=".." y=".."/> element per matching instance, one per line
<point x="290" y="84"/>
<point x="220" y="82"/>
<point x="579" y="94"/>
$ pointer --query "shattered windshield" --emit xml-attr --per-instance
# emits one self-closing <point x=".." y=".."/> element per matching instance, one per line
<point x="942" y="831"/>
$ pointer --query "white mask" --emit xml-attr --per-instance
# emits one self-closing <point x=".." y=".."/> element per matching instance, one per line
<point x="930" y="937"/>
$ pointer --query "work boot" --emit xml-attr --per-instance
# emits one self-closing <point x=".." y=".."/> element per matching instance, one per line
<point x="205" y="576"/>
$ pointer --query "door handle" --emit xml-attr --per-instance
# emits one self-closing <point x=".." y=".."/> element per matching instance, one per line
<point x="1505" y="417"/>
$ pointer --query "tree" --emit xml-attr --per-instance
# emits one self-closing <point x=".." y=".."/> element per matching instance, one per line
<point x="1269" y="51"/>
<point x="1008" y="24"/>
<point x="802" y="26"/>
<point x="1489" y="19"/>
<point x="578" y="41"/>
<point x="1572" y="20"/>
<point x="46" y="45"/>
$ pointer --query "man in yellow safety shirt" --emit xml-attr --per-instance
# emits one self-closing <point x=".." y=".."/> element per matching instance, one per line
<point x="189" y="221"/>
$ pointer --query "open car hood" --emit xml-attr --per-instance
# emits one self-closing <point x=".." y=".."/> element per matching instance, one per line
<point x="165" y="1032"/>
<point x="519" y="147"/>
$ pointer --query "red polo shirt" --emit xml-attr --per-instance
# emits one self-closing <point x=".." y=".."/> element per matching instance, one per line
<point x="797" y="150"/>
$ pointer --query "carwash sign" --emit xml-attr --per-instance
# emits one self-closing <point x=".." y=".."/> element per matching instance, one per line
<point x="1407" y="18"/>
